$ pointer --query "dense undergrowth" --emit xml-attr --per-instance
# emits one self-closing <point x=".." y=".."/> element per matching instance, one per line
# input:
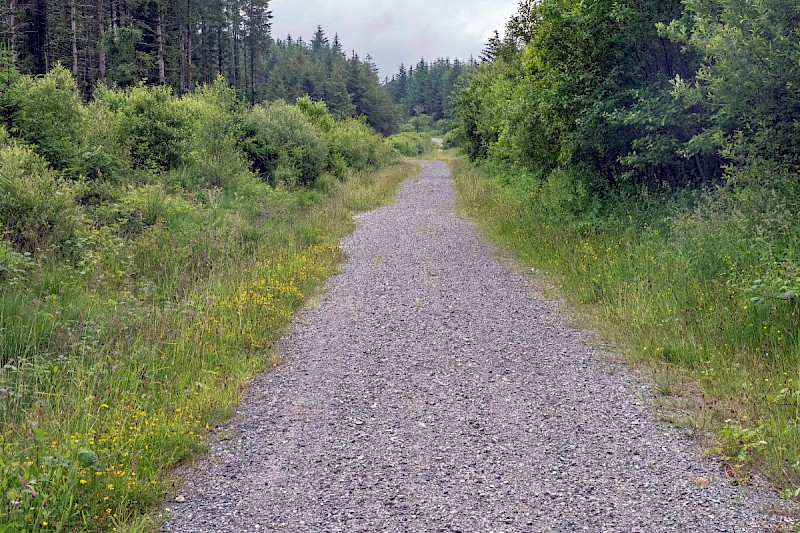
<point x="153" y="248"/>
<point x="699" y="285"/>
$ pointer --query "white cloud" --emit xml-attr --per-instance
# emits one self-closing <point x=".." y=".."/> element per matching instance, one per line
<point x="395" y="32"/>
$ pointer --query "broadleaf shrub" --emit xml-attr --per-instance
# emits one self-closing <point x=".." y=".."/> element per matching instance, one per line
<point x="37" y="212"/>
<point x="152" y="125"/>
<point x="280" y="139"/>
<point x="357" y="144"/>
<point x="47" y="113"/>
<point x="410" y="144"/>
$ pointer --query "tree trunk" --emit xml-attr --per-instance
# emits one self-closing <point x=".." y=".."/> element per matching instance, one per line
<point x="220" y="61"/>
<point x="235" y="53"/>
<point x="101" y="50"/>
<point x="245" y="71"/>
<point x="183" y="63"/>
<point x="73" y="24"/>
<point x="114" y="17"/>
<point x="188" y="46"/>
<point x="253" y="74"/>
<point x="12" y="25"/>
<point x="162" y="77"/>
<point x="190" y="81"/>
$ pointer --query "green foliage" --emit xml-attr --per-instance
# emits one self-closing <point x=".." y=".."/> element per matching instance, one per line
<point x="105" y="155"/>
<point x="357" y="145"/>
<point x="316" y="112"/>
<point x="258" y="146"/>
<point x="130" y="64"/>
<point x="301" y="152"/>
<point x="36" y="208"/>
<point x="152" y="125"/>
<point x="421" y="122"/>
<point x="740" y="445"/>
<point x="349" y="87"/>
<point x="606" y="110"/>
<point x="214" y="116"/>
<point x="14" y="266"/>
<point x="747" y="76"/>
<point x="48" y="114"/>
<point x="426" y="89"/>
<point x="410" y="144"/>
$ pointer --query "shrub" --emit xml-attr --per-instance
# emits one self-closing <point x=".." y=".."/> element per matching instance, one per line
<point x="214" y="113"/>
<point x="283" y="145"/>
<point x="36" y="207"/>
<point x="48" y="114"/>
<point x="453" y="138"/>
<point x="357" y="144"/>
<point x="105" y="156"/>
<point x="410" y="144"/>
<point x="152" y="125"/>
<point x="316" y="112"/>
<point x="259" y="148"/>
<point x="14" y="266"/>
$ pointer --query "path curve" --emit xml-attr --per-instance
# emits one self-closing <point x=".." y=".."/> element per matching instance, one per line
<point x="433" y="391"/>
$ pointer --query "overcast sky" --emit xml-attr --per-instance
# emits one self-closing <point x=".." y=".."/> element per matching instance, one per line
<point x="396" y="32"/>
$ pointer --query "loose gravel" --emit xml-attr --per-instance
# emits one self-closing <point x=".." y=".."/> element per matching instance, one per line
<point x="432" y="390"/>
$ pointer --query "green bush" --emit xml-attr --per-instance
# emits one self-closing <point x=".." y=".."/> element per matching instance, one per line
<point x="214" y="115"/>
<point x="283" y="145"/>
<point x="37" y="211"/>
<point x="153" y="125"/>
<point x="104" y="156"/>
<point x="316" y="112"/>
<point x="259" y="147"/>
<point x="14" y="266"/>
<point x="357" y="144"/>
<point x="48" y="114"/>
<point x="453" y="138"/>
<point x="410" y="144"/>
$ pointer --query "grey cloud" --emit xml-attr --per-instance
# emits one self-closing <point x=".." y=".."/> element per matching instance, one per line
<point x="397" y="32"/>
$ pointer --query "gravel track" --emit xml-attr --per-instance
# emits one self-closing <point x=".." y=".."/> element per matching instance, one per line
<point x="431" y="390"/>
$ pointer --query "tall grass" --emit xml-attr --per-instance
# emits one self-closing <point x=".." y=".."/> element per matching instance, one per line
<point x="700" y="287"/>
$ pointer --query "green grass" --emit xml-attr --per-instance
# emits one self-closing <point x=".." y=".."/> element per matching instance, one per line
<point x="699" y="290"/>
<point x="117" y="364"/>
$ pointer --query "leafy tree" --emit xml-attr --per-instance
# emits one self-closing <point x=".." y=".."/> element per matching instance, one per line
<point x="748" y="76"/>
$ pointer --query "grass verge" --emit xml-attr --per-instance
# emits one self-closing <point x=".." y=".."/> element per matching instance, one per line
<point x="116" y="368"/>
<point x="688" y="291"/>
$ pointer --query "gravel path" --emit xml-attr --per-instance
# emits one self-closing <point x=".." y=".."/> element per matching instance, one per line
<point x="433" y="391"/>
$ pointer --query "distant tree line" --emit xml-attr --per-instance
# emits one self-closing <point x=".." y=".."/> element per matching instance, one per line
<point x="319" y="68"/>
<point x="426" y="88"/>
<point x="183" y="43"/>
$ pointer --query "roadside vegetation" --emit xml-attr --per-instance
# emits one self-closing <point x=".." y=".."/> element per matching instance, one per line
<point x="654" y="175"/>
<point x="153" y="248"/>
<point x="411" y="144"/>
